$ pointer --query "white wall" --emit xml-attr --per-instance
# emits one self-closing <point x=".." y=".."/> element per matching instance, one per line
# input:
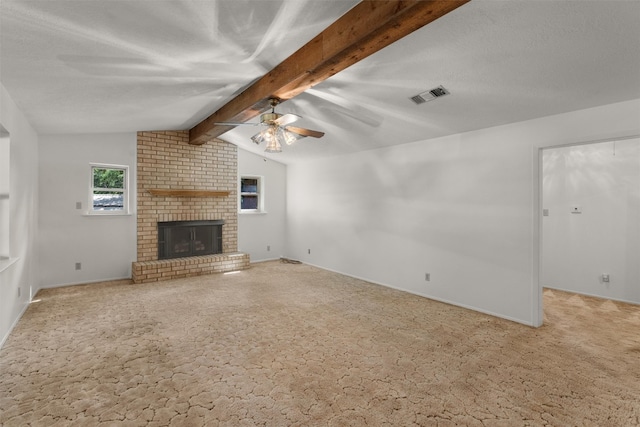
<point x="256" y="232"/>
<point x="463" y="208"/>
<point x="604" y="181"/>
<point x="19" y="278"/>
<point x="104" y="245"/>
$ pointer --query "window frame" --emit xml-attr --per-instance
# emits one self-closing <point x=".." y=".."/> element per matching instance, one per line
<point x="125" y="190"/>
<point x="259" y="193"/>
<point x="5" y="195"/>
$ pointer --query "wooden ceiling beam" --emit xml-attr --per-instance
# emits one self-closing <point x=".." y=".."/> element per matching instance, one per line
<point x="365" y="29"/>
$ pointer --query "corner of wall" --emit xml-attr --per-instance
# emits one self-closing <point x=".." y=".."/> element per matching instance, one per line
<point x="20" y="278"/>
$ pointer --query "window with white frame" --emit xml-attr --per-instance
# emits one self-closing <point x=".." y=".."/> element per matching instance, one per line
<point x="251" y="195"/>
<point x="5" y="206"/>
<point x="109" y="189"/>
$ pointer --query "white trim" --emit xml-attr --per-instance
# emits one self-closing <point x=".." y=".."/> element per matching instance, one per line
<point x="537" y="304"/>
<point x="539" y="235"/>
<point x="86" y="282"/>
<point x="5" y="194"/>
<point x="600" y="297"/>
<point x="442" y="300"/>
<point x="13" y="325"/>
<point x="107" y="215"/>
<point x="260" y="194"/>
<point x="6" y="263"/>
<point x="125" y="191"/>
<point x="258" y="261"/>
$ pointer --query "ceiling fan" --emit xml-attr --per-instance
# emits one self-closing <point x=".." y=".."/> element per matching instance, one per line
<point x="278" y="130"/>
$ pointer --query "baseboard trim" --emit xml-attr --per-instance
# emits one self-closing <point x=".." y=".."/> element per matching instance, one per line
<point x="265" y="260"/>
<point x="62" y="285"/>
<point x="14" y="324"/>
<point x="442" y="300"/>
<point x="602" y="297"/>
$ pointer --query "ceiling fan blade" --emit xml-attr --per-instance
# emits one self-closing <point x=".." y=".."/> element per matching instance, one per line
<point x="305" y="132"/>
<point x="286" y="119"/>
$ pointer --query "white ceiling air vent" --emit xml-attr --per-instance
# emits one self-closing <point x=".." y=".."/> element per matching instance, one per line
<point x="429" y="95"/>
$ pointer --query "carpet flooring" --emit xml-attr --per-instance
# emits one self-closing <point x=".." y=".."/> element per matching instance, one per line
<point x="285" y="344"/>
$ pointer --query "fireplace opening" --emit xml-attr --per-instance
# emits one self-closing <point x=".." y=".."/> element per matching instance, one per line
<point x="179" y="239"/>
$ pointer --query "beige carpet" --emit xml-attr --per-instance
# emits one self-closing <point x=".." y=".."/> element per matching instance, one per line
<point x="284" y="344"/>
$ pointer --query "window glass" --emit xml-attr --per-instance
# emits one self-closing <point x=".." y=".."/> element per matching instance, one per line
<point x="108" y="189"/>
<point x="249" y="202"/>
<point x="250" y="194"/>
<point x="249" y="185"/>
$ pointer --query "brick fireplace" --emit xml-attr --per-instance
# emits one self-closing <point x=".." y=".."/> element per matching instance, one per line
<point x="182" y="182"/>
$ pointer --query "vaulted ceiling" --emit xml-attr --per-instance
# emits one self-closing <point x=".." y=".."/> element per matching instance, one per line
<point x="126" y="65"/>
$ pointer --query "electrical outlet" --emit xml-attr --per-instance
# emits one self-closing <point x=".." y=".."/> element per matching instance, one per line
<point x="268" y="248"/>
<point x="309" y="251"/>
<point x="427" y="277"/>
<point x="78" y="205"/>
<point x="78" y="266"/>
<point x="605" y="278"/>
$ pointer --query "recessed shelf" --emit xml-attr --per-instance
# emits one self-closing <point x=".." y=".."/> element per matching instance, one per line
<point x="187" y="193"/>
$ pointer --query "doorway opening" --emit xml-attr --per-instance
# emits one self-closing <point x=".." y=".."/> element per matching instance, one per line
<point x="590" y="219"/>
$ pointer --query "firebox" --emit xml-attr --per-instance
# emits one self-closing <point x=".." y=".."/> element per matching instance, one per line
<point x="179" y="239"/>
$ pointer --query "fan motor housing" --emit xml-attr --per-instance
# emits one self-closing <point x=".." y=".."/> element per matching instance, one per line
<point x="269" y="117"/>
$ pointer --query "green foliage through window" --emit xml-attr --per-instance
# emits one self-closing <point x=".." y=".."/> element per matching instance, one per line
<point x="109" y="189"/>
<point x="108" y="178"/>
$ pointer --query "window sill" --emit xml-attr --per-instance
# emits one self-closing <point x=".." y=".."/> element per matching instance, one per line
<point x="252" y="212"/>
<point x="106" y="215"/>
<point x="6" y="263"/>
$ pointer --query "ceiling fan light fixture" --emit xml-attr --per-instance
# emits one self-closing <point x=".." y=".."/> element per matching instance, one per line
<point x="258" y="138"/>
<point x="289" y="137"/>
<point x="278" y="132"/>
<point x="273" y="146"/>
<point x="272" y="136"/>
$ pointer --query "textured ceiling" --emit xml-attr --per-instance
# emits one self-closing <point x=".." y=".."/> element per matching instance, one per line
<point x="93" y="66"/>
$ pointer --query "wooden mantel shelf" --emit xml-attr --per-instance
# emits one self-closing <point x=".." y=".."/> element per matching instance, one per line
<point x="187" y="193"/>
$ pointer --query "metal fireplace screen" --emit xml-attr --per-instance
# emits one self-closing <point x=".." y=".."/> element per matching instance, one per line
<point x="179" y="239"/>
